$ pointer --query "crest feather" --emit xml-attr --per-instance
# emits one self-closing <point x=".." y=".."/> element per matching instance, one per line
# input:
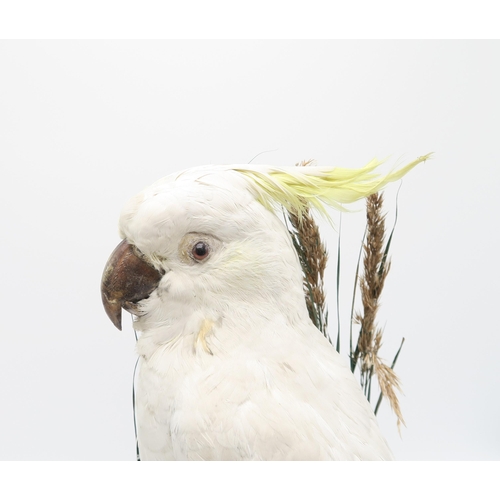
<point x="299" y="188"/>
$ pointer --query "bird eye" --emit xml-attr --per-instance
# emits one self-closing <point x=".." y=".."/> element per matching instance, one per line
<point x="200" y="250"/>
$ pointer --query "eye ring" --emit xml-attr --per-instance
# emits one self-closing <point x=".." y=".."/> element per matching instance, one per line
<point x="200" y="251"/>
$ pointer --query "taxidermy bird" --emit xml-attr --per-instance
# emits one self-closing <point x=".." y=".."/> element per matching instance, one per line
<point x="231" y="366"/>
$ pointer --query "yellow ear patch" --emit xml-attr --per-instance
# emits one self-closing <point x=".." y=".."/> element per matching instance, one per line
<point x="299" y="188"/>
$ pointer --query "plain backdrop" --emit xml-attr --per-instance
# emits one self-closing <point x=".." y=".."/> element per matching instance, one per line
<point x="84" y="125"/>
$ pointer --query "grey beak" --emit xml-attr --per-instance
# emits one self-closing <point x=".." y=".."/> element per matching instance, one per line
<point x="127" y="279"/>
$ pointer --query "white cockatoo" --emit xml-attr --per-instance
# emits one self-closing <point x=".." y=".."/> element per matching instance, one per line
<point x="231" y="366"/>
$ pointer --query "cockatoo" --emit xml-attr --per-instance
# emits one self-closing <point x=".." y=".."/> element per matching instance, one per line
<point x="231" y="366"/>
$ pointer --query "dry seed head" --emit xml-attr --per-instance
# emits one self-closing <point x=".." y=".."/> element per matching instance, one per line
<point x="313" y="258"/>
<point x="371" y="285"/>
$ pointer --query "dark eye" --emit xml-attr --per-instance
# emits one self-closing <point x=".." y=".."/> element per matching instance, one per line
<point x="200" y="250"/>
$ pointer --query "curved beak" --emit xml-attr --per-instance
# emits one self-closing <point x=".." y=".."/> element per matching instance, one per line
<point x="127" y="279"/>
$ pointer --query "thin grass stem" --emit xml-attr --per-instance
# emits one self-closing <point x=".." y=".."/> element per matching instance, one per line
<point x="138" y="457"/>
<point x="338" y="283"/>
<point x="388" y="245"/>
<point x="356" y="278"/>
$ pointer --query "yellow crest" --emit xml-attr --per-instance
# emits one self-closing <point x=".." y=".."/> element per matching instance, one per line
<point x="299" y="188"/>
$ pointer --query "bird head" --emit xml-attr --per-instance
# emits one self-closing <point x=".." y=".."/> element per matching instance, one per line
<point x="210" y="238"/>
<point x="197" y="239"/>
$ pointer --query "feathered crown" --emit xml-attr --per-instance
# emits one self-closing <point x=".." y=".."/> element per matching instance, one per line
<point x="300" y="188"/>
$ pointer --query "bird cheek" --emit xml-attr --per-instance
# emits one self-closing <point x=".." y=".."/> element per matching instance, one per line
<point x="179" y="287"/>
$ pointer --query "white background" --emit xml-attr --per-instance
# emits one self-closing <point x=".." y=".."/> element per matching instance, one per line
<point x="85" y="125"/>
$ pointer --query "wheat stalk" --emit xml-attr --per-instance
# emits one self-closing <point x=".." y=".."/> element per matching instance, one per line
<point x="313" y="259"/>
<point x="376" y="267"/>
